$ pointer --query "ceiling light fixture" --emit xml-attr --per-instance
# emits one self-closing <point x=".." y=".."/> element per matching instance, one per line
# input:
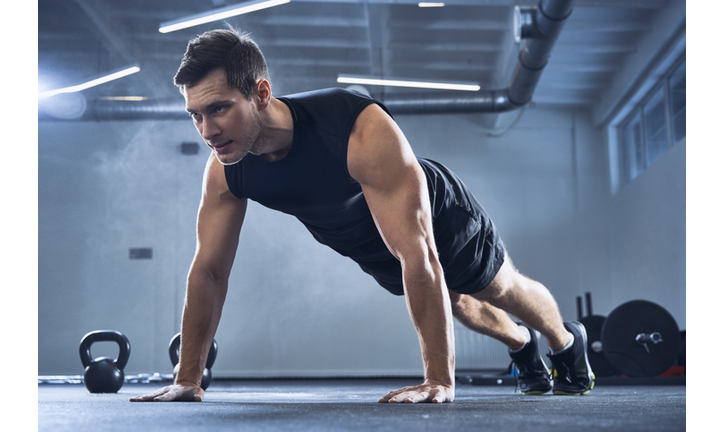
<point x="125" y="98"/>
<point x="430" y="4"/>
<point x="91" y="83"/>
<point x="408" y="83"/>
<point x="219" y="14"/>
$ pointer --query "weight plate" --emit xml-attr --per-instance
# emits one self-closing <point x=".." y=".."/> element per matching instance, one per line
<point x="601" y="367"/>
<point x="681" y="358"/>
<point x="642" y="359"/>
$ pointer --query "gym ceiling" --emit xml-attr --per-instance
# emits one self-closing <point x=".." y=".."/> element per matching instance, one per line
<point x="308" y="44"/>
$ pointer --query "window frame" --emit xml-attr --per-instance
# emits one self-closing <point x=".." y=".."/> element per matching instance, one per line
<point x="670" y="96"/>
<point x="638" y="110"/>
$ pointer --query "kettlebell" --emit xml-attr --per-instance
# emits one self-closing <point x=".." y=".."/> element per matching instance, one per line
<point x="173" y="353"/>
<point x="103" y="374"/>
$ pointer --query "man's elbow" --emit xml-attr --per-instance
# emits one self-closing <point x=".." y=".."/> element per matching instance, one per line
<point x="422" y="269"/>
<point x="208" y="276"/>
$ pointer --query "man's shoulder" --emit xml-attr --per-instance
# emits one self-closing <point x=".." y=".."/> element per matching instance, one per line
<point x="331" y="110"/>
<point x="325" y="95"/>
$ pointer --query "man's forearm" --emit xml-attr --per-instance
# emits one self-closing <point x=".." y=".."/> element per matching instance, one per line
<point x="429" y="305"/>
<point x="202" y="311"/>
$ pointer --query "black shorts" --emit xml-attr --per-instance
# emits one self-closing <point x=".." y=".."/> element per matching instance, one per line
<point x="469" y="247"/>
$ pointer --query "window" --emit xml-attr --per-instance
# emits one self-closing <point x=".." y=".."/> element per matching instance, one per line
<point x="632" y="149"/>
<point x="677" y="86"/>
<point x="654" y="125"/>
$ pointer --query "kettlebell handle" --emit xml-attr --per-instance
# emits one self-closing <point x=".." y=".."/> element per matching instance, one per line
<point x="175" y="346"/>
<point x="89" y="339"/>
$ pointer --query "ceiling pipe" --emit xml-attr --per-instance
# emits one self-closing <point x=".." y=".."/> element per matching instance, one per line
<point x="539" y="26"/>
<point x="159" y="109"/>
<point x="109" y="110"/>
<point x="483" y="101"/>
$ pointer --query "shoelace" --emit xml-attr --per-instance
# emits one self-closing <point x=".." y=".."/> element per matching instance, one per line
<point x="523" y="372"/>
<point x="559" y="367"/>
<point x="510" y="371"/>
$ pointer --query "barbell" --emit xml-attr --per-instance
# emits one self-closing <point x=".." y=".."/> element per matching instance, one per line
<point x="638" y="338"/>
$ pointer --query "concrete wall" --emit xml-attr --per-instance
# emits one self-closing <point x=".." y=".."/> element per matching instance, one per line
<point x="647" y="236"/>
<point x="105" y="188"/>
<point x="295" y="308"/>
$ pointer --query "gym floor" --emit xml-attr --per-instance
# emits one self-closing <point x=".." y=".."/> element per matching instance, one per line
<point x="338" y="405"/>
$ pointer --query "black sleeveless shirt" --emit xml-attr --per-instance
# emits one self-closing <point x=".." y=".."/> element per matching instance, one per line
<point x="313" y="184"/>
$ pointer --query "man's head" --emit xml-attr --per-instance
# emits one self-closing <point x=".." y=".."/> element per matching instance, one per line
<point x="224" y="79"/>
<point x="237" y="54"/>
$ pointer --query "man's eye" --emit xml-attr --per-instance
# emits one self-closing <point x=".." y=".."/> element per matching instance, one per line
<point x="219" y="109"/>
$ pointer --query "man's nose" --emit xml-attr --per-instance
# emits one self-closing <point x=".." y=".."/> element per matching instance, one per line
<point x="209" y="130"/>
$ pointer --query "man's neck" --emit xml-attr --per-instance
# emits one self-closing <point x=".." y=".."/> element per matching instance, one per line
<point x="277" y="132"/>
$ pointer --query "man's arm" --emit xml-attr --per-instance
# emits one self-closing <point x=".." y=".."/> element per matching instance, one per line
<point x="394" y="185"/>
<point x="219" y="222"/>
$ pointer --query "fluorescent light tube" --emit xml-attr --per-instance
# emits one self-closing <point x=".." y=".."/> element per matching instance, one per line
<point x="125" y="98"/>
<point x="406" y="83"/>
<point x="430" y="4"/>
<point x="218" y="14"/>
<point x="92" y="83"/>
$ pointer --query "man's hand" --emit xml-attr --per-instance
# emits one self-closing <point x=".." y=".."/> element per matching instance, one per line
<point x="435" y="393"/>
<point x="173" y="393"/>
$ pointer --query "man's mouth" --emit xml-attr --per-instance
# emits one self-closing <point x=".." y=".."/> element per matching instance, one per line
<point x="218" y="147"/>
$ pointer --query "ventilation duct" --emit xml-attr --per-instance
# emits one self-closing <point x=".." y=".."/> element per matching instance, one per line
<point x="102" y="110"/>
<point x="539" y="26"/>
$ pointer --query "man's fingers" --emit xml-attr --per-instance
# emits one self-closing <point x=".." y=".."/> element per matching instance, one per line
<point x="437" y="396"/>
<point x="421" y="393"/>
<point x="410" y="397"/>
<point x="150" y="396"/>
<point x="172" y="393"/>
<point x="416" y="397"/>
<point x="165" y="397"/>
<point x="402" y="397"/>
<point x="386" y="398"/>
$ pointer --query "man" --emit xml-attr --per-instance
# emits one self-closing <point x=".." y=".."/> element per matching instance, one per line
<point x="337" y="161"/>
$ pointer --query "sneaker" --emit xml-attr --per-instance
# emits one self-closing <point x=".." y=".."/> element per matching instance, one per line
<point x="533" y="375"/>
<point x="572" y="374"/>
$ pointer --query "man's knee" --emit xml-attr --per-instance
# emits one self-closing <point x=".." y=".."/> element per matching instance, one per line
<point x="463" y="305"/>
<point x="457" y="303"/>
<point x="505" y="281"/>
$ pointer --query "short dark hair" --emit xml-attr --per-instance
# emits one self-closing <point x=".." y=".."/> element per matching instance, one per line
<point x="234" y="52"/>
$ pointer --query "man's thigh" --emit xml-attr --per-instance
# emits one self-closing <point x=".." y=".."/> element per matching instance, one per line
<point x="505" y="279"/>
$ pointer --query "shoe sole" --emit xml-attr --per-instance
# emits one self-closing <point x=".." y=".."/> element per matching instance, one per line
<point x="585" y="392"/>
<point x="561" y="393"/>
<point x="577" y="393"/>
<point x="535" y="393"/>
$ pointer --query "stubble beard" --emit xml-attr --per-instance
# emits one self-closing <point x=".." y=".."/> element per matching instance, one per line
<point x="251" y="140"/>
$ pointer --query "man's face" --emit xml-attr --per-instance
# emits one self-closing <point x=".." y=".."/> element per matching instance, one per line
<point x="226" y="120"/>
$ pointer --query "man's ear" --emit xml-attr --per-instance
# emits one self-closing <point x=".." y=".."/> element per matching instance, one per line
<point x="263" y="94"/>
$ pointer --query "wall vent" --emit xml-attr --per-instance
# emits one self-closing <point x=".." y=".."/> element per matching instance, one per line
<point x="140" y="253"/>
<point x="189" y="148"/>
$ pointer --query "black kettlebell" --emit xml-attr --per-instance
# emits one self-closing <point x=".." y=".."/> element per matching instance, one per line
<point x="173" y="353"/>
<point x="103" y="374"/>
